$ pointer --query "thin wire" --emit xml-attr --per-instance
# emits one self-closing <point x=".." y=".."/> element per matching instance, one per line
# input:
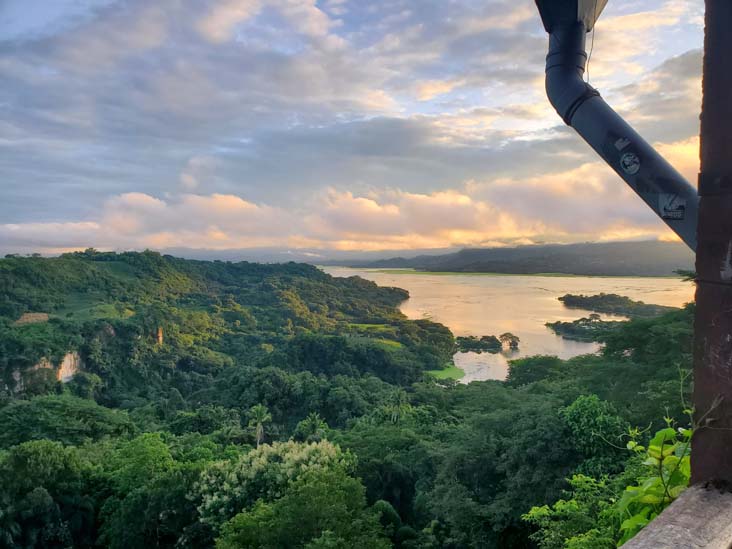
<point x="592" y="43"/>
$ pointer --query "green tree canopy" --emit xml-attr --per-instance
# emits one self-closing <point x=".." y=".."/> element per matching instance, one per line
<point x="322" y="505"/>
<point x="226" y="488"/>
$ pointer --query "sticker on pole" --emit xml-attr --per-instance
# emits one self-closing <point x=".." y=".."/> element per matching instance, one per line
<point x="622" y="143"/>
<point x="630" y="163"/>
<point x="671" y="206"/>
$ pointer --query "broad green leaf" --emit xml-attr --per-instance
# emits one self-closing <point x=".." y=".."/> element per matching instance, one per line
<point x="668" y="450"/>
<point x="653" y="499"/>
<point x="662" y="437"/>
<point x="638" y="520"/>
<point x="675" y="491"/>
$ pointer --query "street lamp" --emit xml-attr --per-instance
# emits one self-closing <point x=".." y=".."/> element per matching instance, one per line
<point x="703" y="220"/>
<point x="663" y="188"/>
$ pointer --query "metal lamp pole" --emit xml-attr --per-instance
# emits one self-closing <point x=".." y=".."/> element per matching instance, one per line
<point x="711" y="458"/>
<point x="703" y="220"/>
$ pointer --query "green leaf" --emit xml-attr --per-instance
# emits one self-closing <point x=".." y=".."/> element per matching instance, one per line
<point x="685" y="467"/>
<point x="663" y="437"/>
<point x="651" y="482"/>
<point x="653" y="499"/>
<point x="675" y="491"/>
<point x="636" y="522"/>
<point x="669" y="450"/>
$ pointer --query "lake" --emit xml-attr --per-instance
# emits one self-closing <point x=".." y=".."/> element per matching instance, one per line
<point x="486" y="304"/>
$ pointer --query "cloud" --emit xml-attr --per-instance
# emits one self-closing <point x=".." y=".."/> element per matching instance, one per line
<point x="664" y="104"/>
<point x="430" y="89"/>
<point x="22" y="24"/>
<point x="197" y="169"/>
<point x="221" y="20"/>
<point x="684" y="155"/>
<point x="117" y="35"/>
<point x="587" y="203"/>
<point x="625" y="44"/>
<point x="668" y="14"/>
<point x="336" y="124"/>
<point x="138" y="220"/>
<point x="46" y="236"/>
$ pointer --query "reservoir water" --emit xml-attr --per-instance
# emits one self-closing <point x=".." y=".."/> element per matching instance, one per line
<point x="487" y="304"/>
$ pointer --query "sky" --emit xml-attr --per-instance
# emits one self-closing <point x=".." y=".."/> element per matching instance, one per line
<point x="334" y="125"/>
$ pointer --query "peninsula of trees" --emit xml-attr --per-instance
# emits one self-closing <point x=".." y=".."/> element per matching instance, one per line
<point x="614" y="304"/>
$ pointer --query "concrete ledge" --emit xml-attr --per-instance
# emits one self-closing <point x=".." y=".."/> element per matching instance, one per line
<point x="699" y="518"/>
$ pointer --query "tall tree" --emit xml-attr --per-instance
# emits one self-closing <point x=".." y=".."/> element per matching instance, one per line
<point x="510" y="339"/>
<point x="398" y="405"/>
<point x="311" y="429"/>
<point x="324" y="508"/>
<point x="259" y="416"/>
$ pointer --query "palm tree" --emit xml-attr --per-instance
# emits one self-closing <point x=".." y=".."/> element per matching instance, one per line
<point x="312" y="428"/>
<point x="259" y="416"/>
<point x="509" y="339"/>
<point x="398" y="405"/>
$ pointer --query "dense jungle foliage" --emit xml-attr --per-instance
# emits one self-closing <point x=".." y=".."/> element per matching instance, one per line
<point x="244" y="405"/>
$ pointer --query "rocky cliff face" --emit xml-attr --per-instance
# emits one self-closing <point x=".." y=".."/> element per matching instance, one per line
<point x="65" y="370"/>
<point x="70" y="364"/>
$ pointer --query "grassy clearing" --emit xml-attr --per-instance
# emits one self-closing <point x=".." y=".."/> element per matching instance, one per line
<point x="453" y="372"/>
<point x="84" y="307"/>
<point x="388" y="343"/>
<point x="371" y="327"/>
<point x="120" y="269"/>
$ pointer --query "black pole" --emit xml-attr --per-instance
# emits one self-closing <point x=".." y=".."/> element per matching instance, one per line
<point x="663" y="188"/>
<point x="711" y="454"/>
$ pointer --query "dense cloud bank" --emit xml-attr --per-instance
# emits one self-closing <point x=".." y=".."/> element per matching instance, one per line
<point x="334" y="124"/>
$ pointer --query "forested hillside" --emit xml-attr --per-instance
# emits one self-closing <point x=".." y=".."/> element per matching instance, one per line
<point x="246" y="405"/>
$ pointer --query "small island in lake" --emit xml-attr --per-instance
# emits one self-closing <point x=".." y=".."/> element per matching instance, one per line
<point x="472" y="344"/>
<point x="614" y="304"/>
<point x="486" y="344"/>
<point x="592" y="328"/>
<point x="587" y="329"/>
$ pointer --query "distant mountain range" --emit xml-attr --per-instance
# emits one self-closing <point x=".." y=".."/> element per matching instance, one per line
<point x="648" y="258"/>
<point x="298" y="255"/>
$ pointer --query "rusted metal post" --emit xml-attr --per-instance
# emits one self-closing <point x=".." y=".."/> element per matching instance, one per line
<point x="711" y="459"/>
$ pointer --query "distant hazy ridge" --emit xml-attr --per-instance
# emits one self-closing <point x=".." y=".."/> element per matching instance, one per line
<point x="609" y="259"/>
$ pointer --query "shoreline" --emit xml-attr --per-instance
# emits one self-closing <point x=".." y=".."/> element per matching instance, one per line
<point x="465" y="368"/>
<point x="411" y="271"/>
